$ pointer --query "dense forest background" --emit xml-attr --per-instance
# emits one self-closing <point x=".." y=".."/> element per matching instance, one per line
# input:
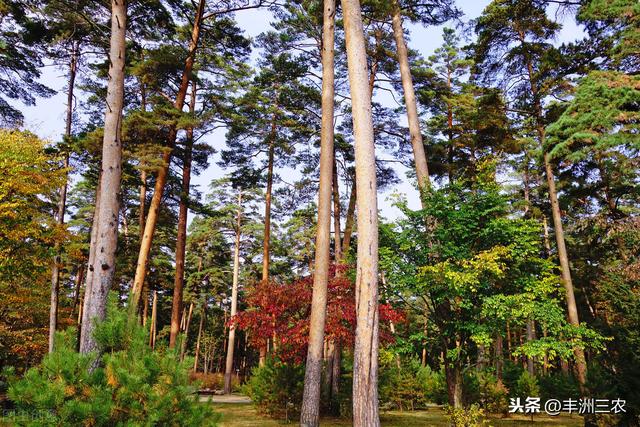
<point x="491" y="243"/>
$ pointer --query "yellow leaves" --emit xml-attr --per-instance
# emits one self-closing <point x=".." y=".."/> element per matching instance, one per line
<point x="69" y="390"/>
<point x="467" y="274"/>
<point x="112" y="380"/>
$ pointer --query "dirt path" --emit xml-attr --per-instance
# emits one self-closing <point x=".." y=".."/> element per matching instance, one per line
<point x="225" y="398"/>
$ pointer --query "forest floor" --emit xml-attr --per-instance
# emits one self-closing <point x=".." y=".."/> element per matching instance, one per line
<point x="245" y="415"/>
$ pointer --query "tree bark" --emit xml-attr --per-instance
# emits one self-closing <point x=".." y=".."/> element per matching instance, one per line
<point x="310" y="412"/>
<point x="337" y="245"/>
<point x="365" y="358"/>
<point x="563" y="256"/>
<point x="531" y="336"/>
<point x="154" y="323"/>
<point x="163" y="172"/>
<point x="350" y="219"/>
<point x="499" y="358"/>
<point x="181" y="240"/>
<point x="266" y="244"/>
<point x="228" y="370"/>
<point x="62" y="203"/>
<point x="197" y="355"/>
<point x="76" y="293"/>
<point x="103" y="266"/>
<point x="183" y="347"/>
<point x="419" y="156"/>
<point x="572" y="308"/>
<point x="267" y="209"/>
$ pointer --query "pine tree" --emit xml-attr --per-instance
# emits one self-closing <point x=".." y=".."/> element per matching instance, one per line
<point x="105" y="220"/>
<point x="521" y="30"/>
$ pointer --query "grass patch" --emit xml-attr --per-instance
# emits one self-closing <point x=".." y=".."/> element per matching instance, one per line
<point x="245" y="415"/>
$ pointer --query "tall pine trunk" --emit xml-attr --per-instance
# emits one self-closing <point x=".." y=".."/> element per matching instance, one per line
<point x="365" y="357"/>
<point x="62" y="203"/>
<point x="163" y="172"/>
<point x="310" y="412"/>
<point x="103" y="264"/>
<point x="563" y="256"/>
<point x="181" y="240"/>
<point x="419" y="156"/>
<point x="228" y="370"/>
<point x="266" y="244"/>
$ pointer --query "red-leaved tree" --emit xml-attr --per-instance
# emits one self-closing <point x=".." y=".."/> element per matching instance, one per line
<point x="280" y="312"/>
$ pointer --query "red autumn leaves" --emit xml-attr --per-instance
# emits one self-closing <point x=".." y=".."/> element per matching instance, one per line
<point x="279" y="313"/>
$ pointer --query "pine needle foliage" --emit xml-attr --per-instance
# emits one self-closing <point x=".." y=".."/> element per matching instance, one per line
<point x="133" y="385"/>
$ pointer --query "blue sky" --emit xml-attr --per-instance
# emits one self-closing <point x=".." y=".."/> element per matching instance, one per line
<point x="46" y="119"/>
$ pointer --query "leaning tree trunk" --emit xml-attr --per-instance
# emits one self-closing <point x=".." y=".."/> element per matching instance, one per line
<point x="62" y="203"/>
<point x="103" y="265"/>
<point x="419" y="156"/>
<point x="365" y="357"/>
<point x="563" y="256"/>
<point x="228" y="370"/>
<point x="572" y="307"/>
<point x="181" y="240"/>
<point x="163" y="172"/>
<point x="310" y="412"/>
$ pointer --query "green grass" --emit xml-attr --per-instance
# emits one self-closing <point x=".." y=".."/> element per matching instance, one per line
<point x="245" y="415"/>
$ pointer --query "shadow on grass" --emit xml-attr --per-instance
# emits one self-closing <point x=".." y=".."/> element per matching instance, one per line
<point x="245" y="415"/>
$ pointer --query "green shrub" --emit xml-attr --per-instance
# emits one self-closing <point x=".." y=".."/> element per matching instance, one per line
<point x="511" y="373"/>
<point x="472" y="416"/>
<point x="434" y="385"/>
<point x="276" y="389"/>
<point x="558" y="386"/>
<point x="401" y="389"/>
<point x="133" y="385"/>
<point x="494" y="395"/>
<point x="527" y="385"/>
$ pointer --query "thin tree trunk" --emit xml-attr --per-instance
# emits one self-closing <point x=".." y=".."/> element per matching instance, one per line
<point x="183" y="347"/>
<point x="267" y="210"/>
<point x="350" y="219"/>
<point x="331" y="357"/>
<point x="103" y="266"/>
<point x="499" y="356"/>
<point x="92" y="256"/>
<point x="163" y="172"/>
<point x="62" y="203"/>
<point x="154" y="322"/>
<point x="181" y="240"/>
<point x="547" y="242"/>
<point x="310" y="411"/>
<point x="197" y="355"/>
<point x="228" y="370"/>
<point x="144" y="301"/>
<point x="419" y="156"/>
<point x="531" y="336"/>
<point x="572" y="308"/>
<point x="337" y="245"/>
<point x="76" y="294"/>
<point x="336" y="375"/>
<point x="365" y="357"/>
<point x="563" y="256"/>
<point x="266" y="244"/>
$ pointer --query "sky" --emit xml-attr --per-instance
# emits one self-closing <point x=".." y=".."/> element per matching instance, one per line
<point x="46" y="118"/>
